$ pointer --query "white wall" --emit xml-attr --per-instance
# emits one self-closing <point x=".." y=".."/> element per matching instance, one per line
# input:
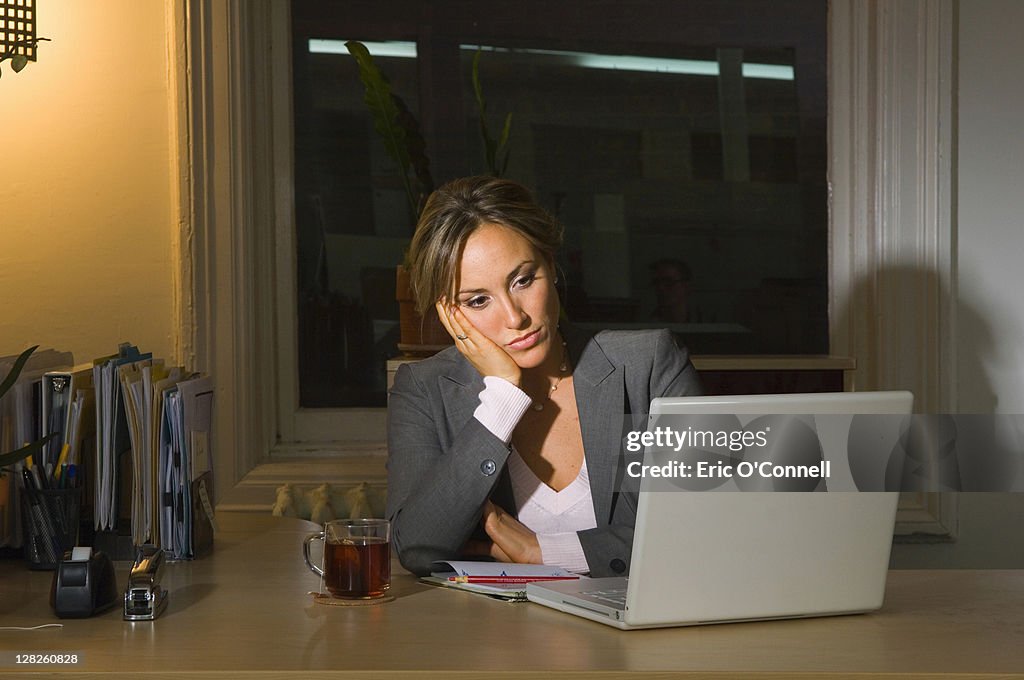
<point x="990" y="223"/>
<point x="87" y="222"/>
<point x="991" y="206"/>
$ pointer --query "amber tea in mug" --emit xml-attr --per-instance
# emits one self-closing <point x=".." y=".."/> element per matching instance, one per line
<point x="357" y="557"/>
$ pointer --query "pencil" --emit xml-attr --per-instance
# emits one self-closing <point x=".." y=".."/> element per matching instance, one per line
<point x="62" y="458"/>
<point x="509" y="579"/>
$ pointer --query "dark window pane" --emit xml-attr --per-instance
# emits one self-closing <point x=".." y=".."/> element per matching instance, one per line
<point x="634" y="162"/>
<point x="690" y="177"/>
<point x="353" y="223"/>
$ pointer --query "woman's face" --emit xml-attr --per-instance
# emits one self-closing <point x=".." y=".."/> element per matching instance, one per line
<point x="506" y="289"/>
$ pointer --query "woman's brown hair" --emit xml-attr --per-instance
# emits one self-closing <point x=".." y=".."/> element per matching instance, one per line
<point x="455" y="211"/>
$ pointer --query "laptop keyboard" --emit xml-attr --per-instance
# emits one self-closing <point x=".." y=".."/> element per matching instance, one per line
<point x="613" y="596"/>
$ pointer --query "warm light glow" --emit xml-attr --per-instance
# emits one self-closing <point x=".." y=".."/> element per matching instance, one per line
<point x="89" y="208"/>
<point x="690" y="67"/>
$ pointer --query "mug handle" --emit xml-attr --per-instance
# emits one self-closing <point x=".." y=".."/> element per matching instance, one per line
<point x="319" y="536"/>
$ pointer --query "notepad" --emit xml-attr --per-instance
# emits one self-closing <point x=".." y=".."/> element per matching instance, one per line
<point x="443" y="572"/>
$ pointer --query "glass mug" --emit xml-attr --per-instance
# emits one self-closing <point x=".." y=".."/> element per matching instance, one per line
<point x="357" y="557"/>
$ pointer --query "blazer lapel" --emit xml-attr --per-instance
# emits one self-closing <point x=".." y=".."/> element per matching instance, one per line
<point x="600" y="392"/>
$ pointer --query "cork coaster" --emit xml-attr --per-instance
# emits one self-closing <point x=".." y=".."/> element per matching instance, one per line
<point x="331" y="601"/>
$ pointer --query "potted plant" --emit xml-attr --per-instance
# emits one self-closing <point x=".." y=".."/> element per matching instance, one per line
<point x="404" y="142"/>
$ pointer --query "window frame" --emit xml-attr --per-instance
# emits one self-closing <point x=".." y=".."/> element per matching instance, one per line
<point x="301" y="431"/>
<point x="891" y="153"/>
<point x="304" y="430"/>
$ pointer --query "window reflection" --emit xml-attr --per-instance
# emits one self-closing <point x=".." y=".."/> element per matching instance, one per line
<point x="691" y="195"/>
<point x="352" y="227"/>
<point x="657" y="170"/>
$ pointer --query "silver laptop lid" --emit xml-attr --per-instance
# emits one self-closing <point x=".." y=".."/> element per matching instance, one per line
<point x="721" y="556"/>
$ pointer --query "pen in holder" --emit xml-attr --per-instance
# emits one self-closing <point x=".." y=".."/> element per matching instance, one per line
<point x="51" y="524"/>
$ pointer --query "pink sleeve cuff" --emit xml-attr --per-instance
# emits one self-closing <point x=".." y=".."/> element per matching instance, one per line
<point x="502" y="404"/>
<point x="563" y="550"/>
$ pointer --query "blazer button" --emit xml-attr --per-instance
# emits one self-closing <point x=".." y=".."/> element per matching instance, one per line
<point x="488" y="467"/>
<point x="617" y="565"/>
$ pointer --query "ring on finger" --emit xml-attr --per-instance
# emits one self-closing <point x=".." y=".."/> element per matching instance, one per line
<point x="461" y="337"/>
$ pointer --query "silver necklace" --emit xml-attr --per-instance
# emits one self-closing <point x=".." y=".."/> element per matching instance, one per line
<point x="563" y="368"/>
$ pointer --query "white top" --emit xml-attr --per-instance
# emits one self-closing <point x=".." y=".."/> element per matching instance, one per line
<point x="555" y="516"/>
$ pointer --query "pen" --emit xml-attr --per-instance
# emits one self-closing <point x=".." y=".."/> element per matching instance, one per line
<point x="62" y="459"/>
<point x="508" y="579"/>
<point x="37" y="478"/>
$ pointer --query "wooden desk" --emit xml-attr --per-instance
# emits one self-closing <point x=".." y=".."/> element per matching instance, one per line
<point x="245" y="609"/>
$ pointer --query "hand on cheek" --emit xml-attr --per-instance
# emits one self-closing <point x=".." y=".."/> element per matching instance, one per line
<point x="486" y="357"/>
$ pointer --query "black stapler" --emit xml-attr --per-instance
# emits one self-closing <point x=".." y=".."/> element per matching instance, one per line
<point x="84" y="584"/>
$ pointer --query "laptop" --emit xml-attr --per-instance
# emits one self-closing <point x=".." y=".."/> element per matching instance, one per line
<point x="720" y="556"/>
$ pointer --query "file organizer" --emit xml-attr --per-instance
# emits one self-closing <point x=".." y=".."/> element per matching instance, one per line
<point x="154" y="464"/>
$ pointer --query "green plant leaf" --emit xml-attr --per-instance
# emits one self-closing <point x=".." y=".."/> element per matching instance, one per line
<point x="496" y="151"/>
<point x="506" y="133"/>
<point x="18" y="62"/>
<point x="19" y="364"/>
<point x="385" y="112"/>
<point x="490" y="146"/>
<point x="481" y="105"/>
<point x="415" y="146"/>
<point x="29" y="449"/>
<point x="34" y="449"/>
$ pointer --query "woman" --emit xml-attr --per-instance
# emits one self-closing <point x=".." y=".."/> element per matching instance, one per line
<point x="517" y="428"/>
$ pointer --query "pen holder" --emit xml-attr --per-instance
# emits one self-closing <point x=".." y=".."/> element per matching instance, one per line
<point x="51" y="524"/>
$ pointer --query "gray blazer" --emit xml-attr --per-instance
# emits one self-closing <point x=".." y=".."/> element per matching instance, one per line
<point x="443" y="464"/>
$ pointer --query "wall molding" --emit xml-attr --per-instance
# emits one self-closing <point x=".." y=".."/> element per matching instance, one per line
<point x="176" y="16"/>
<point x="893" y="234"/>
<point x="227" y="308"/>
<point x="295" y="423"/>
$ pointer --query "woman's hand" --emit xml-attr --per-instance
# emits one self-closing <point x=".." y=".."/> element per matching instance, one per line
<point x="474" y="548"/>
<point x="510" y="538"/>
<point x="485" y="356"/>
